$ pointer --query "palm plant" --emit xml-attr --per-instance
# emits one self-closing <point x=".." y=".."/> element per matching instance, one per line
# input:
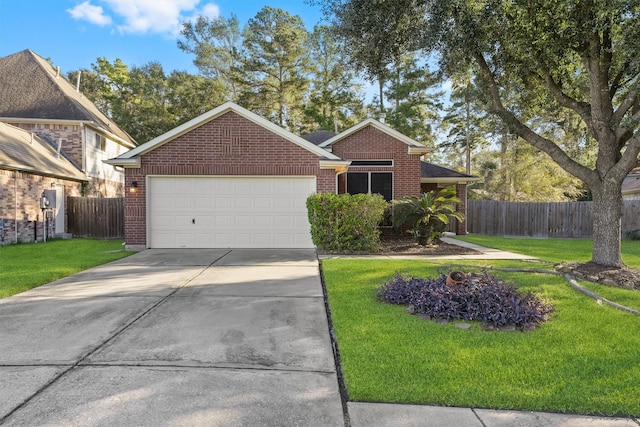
<point x="428" y="214"/>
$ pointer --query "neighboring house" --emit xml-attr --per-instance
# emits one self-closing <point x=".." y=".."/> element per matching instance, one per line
<point x="29" y="166"/>
<point x="631" y="185"/>
<point x="36" y="97"/>
<point x="230" y="178"/>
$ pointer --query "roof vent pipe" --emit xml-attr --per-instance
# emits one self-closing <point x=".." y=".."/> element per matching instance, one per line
<point x="78" y="81"/>
<point x="57" y="71"/>
<point x="59" y="147"/>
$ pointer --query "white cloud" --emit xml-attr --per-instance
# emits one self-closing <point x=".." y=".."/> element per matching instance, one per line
<point x="157" y="16"/>
<point x="88" y="12"/>
<point x="144" y="16"/>
<point x="210" y="10"/>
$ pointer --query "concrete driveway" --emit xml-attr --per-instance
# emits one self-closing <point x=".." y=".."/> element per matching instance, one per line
<point x="186" y="337"/>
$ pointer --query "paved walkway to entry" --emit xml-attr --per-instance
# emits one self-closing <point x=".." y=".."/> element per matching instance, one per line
<point x="196" y="337"/>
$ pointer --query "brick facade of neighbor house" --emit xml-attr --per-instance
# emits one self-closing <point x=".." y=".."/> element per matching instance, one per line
<point x="72" y="138"/>
<point x="70" y="135"/>
<point x="370" y="143"/>
<point x="26" y="189"/>
<point x="228" y="145"/>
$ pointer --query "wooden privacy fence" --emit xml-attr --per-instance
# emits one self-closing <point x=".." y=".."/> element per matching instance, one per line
<point x="98" y="218"/>
<point x="572" y="219"/>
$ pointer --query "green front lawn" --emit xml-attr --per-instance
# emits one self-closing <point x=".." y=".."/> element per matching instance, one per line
<point x="584" y="360"/>
<point x="554" y="250"/>
<point x="25" y="266"/>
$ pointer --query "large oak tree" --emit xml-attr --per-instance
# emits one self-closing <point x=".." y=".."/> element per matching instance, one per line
<point x="578" y="58"/>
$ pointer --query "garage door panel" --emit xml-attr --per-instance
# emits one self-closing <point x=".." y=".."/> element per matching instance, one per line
<point x="222" y="202"/>
<point x="230" y="212"/>
<point x="262" y="203"/>
<point x="262" y="221"/>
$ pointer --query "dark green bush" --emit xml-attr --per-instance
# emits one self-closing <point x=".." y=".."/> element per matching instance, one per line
<point x="632" y="235"/>
<point x="346" y="223"/>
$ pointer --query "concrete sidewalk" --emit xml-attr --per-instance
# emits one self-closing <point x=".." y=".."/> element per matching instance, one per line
<point x="390" y="415"/>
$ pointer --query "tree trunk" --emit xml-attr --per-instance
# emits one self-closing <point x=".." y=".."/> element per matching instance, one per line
<point x="607" y="214"/>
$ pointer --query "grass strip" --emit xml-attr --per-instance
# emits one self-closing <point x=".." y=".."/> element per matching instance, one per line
<point x="25" y="266"/>
<point x="554" y="250"/>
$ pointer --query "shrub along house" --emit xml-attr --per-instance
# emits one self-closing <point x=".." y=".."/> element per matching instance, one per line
<point x="230" y="178"/>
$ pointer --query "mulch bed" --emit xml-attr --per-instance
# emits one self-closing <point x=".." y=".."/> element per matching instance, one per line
<point x="397" y="246"/>
<point x="624" y="277"/>
<point x="406" y="246"/>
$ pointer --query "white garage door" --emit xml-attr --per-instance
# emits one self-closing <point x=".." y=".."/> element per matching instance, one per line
<point x="229" y="212"/>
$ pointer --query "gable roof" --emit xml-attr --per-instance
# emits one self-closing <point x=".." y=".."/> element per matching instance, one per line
<point x="631" y="187"/>
<point x="30" y="88"/>
<point x="414" y="146"/>
<point x="131" y="158"/>
<point x="26" y="152"/>
<point x="437" y="174"/>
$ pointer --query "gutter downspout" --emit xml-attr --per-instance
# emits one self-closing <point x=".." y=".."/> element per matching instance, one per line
<point x="15" y="199"/>
<point x="83" y="131"/>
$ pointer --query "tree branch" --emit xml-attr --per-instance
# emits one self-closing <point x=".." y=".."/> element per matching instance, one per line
<point x="629" y="158"/>
<point x="616" y="83"/>
<point x="626" y="104"/>
<point x="516" y="126"/>
<point x="582" y="108"/>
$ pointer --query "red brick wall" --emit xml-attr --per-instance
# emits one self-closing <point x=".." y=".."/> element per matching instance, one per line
<point x="71" y="137"/>
<point x="227" y="145"/>
<point x="461" y="193"/>
<point x="373" y="144"/>
<point x="29" y="190"/>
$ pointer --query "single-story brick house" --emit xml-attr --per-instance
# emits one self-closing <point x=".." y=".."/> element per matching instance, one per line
<point x="29" y="166"/>
<point x="230" y="178"/>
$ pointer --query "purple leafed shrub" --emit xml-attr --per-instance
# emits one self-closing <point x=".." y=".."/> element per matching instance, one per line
<point x="482" y="297"/>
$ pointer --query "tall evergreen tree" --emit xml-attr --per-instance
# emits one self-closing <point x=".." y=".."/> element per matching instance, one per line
<point x="274" y="70"/>
<point x="336" y="100"/>
<point x="217" y="46"/>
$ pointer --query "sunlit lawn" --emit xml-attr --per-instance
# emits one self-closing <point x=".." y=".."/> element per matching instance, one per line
<point x="584" y="360"/>
<point x="25" y="266"/>
<point x="555" y="250"/>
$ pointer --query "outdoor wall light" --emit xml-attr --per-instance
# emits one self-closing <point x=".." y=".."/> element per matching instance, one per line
<point x="134" y="187"/>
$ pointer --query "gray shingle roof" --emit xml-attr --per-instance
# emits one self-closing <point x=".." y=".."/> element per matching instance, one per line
<point x="318" y="137"/>
<point x="26" y="152"/>
<point x="31" y="88"/>
<point x="429" y="170"/>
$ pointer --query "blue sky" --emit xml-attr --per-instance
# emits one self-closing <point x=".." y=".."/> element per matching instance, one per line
<point x="73" y="33"/>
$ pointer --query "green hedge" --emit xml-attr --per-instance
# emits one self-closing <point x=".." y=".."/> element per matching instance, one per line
<point x="344" y="222"/>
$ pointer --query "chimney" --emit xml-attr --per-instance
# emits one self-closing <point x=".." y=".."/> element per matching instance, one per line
<point x="381" y="117"/>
